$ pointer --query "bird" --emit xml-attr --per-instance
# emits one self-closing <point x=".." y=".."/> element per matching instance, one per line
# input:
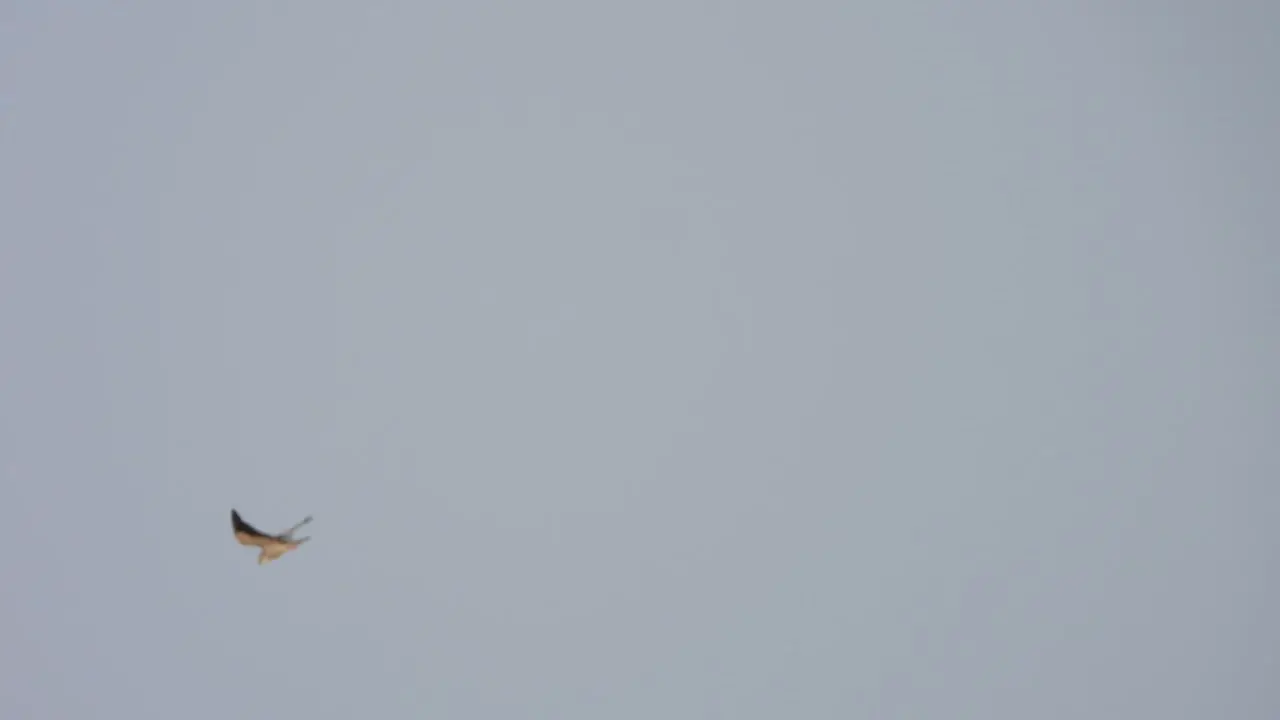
<point x="273" y="546"/>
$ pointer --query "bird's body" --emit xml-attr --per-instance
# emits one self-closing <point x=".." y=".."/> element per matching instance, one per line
<point x="272" y="546"/>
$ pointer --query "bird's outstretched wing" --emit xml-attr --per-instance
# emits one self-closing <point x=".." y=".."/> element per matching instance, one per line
<point x="247" y="534"/>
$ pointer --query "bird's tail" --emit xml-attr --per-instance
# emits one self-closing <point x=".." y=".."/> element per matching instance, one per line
<point x="295" y="528"/>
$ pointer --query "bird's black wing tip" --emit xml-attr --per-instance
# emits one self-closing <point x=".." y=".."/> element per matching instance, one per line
<point x="239" y="525"/>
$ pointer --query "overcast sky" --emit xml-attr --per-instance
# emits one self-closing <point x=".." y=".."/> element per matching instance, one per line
<point x="665" y="360"/>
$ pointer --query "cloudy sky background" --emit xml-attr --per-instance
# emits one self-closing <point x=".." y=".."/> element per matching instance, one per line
<point x="671" y="360"/>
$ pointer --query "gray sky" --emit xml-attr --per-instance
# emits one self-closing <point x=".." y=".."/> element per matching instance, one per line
<point x="663" y="360"/>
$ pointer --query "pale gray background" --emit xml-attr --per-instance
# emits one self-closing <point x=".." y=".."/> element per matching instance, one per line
<point x="658" y="361"/>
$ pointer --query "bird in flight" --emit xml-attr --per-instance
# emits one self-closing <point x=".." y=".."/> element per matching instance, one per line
<point x="273" y="546"/>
